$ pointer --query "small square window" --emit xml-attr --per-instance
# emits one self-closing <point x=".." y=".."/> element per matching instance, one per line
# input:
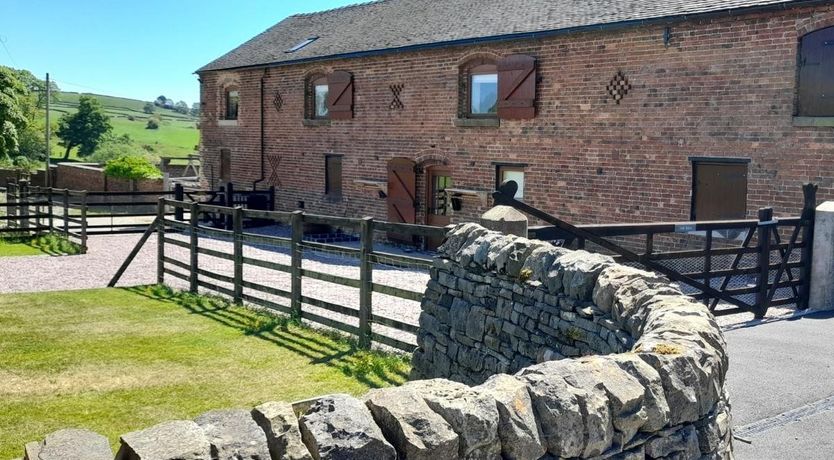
<point x="232" y="103"/>
<point x="514" y="173"/>
<point x="484" y="94"/>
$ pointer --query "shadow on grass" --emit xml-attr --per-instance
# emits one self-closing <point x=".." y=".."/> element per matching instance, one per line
<point x="373" y="368"/>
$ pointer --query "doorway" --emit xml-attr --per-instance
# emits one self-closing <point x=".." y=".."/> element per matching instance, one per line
<point x="402" y="195"/>
<point x="438" y="202"/>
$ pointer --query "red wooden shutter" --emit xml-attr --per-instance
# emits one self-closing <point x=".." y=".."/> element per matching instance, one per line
<point x="340" y="95"/>
<point x="517" y="87"/>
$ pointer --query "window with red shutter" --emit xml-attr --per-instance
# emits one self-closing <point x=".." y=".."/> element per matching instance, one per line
<point x="340" y="95"/>
<point x="517" y="87"/>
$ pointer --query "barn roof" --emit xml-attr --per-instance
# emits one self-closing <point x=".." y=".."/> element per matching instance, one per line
<point x="389" y="25"/>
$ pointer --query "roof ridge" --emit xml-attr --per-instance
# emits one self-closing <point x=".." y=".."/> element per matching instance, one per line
<point x="345" y="7"/>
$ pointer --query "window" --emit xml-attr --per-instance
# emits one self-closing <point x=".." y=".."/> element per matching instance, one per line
<point x="483" y="91"/>
<point x="719" y="189"/>
<point x="301" y="44"/>
<point x="320" y="93"/>
<point x="504" y="173"/>
<point x="225" y="166"/>
<point x="439" y="201"/>
<point x="816" y="74"/>
<point x="491" y="90"/>
<point x="232" y="103"/>
<point x="333" y="176"/>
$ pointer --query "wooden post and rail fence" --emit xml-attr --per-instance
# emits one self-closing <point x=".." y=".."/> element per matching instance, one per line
<point x="358" y="320"/>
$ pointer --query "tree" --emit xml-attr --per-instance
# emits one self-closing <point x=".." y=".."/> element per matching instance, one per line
<point x="195" y="109"/>
<point x="153" y="123"/>
<point x="38" y="87"/>
<point x="181" y="107"/>
<point x="160" y="101"/>
<point x="149" y="107"/>
<point x="84" y="128"/>
<point x="14" y="98"/>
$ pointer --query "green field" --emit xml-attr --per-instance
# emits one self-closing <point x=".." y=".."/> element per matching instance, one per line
<point x="118" y="360"/>
<point x="177" y="135"/>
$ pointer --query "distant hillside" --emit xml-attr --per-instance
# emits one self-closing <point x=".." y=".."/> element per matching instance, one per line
<point x="177" y="135"/>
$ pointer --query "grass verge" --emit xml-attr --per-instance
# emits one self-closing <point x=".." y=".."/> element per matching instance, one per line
<point x="117" y="360"/>
<point x="51" y="244"/>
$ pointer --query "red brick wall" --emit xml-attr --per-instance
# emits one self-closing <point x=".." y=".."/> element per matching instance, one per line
<point x="724" y="87"/>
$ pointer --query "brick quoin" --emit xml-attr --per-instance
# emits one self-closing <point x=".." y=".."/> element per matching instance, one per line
<point x="724" y="87"/>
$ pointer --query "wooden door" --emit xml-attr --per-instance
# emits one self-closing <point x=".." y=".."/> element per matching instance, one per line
<point x="719" y="191"/>
<point x="438" y="202"/>
<point x="402" y="197"/>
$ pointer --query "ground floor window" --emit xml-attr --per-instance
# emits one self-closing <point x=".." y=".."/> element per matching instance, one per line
<point x="333" y="176"/>
<point x="225" y="166"/>
<point x="507" y="172"/>
<point x="719" y="189"/>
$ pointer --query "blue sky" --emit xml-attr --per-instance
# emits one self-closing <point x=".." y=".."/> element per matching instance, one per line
<point x="134" y="48"/>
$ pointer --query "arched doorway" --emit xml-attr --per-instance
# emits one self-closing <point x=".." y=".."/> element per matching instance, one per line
<point x="438" y="203"/>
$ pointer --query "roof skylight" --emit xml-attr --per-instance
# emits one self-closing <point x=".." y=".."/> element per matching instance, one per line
<point x="301" y="44"/>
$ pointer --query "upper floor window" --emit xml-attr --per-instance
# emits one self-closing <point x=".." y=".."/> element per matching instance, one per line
<point x="320" y="93"/>
<point x="232" y="103"/>
<point x="816" y="74"/>
<point x="329" y="96"/>
<point x="504" y="89"/>
<point x="483" y="91"/>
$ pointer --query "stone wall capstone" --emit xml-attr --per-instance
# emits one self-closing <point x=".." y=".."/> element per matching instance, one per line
<point x="558" y="354"/>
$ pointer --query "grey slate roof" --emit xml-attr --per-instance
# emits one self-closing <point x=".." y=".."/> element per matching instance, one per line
<point x="392" y="24"/>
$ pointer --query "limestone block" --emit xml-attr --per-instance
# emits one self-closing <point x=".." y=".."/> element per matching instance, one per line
<point x="280" y="424"/>
<point x="471" y="414"/>
<point x="416" y="431"/>
<point x="520" y="434"/>
<point x="340" y="427"/>
<point x="233" y="433"/>
<point x="70" y="444"/>
<point x="177" y="440"/>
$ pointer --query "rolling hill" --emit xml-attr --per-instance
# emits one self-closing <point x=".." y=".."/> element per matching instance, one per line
<point x="177" y="135"/>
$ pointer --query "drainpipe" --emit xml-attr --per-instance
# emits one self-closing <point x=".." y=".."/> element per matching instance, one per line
<point x="263" y="139"/>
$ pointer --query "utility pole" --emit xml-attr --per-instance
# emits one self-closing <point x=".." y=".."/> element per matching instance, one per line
<point x="47" y="178"/>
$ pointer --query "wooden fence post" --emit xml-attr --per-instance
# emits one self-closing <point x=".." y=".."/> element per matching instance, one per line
<point x="807" y="221"/>
<point x="49" y="208"/>
<point x="296" y="254"/>
<point x="195" y="221"/>
<point x="179" y="195"/>
<point x="66" y="213"/>
<point x="11" y="198"/>
<point x="230" y="203"/>
<point x="23" y="198"/>
<point x="84" y="222"/>
<point x="160" y="242"/>
<point x="366" y="281"/>
<point x="237" y="220"/>
<point x="764" y="231"/>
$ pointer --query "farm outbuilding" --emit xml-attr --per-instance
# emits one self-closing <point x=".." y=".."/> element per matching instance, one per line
<point x="413" y="110"/>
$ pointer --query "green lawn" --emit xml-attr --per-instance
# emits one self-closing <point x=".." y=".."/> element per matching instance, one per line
<point x="17" y="248"/>
<point x="117" y="360"/>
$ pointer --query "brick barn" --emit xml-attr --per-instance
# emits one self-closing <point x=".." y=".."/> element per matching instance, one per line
<point x="626" y="111"/>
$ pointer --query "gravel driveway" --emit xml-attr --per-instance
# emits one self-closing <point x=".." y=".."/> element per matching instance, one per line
<point x="106" y="253"/>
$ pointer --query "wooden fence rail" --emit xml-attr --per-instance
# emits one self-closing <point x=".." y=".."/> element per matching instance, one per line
<point x="239" y="289"/>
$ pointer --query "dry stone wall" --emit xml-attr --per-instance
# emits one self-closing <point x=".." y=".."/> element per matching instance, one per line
<point x="645" y="379"/>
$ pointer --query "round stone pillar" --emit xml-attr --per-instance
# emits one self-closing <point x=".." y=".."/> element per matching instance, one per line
<point x="505" y="219"/>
